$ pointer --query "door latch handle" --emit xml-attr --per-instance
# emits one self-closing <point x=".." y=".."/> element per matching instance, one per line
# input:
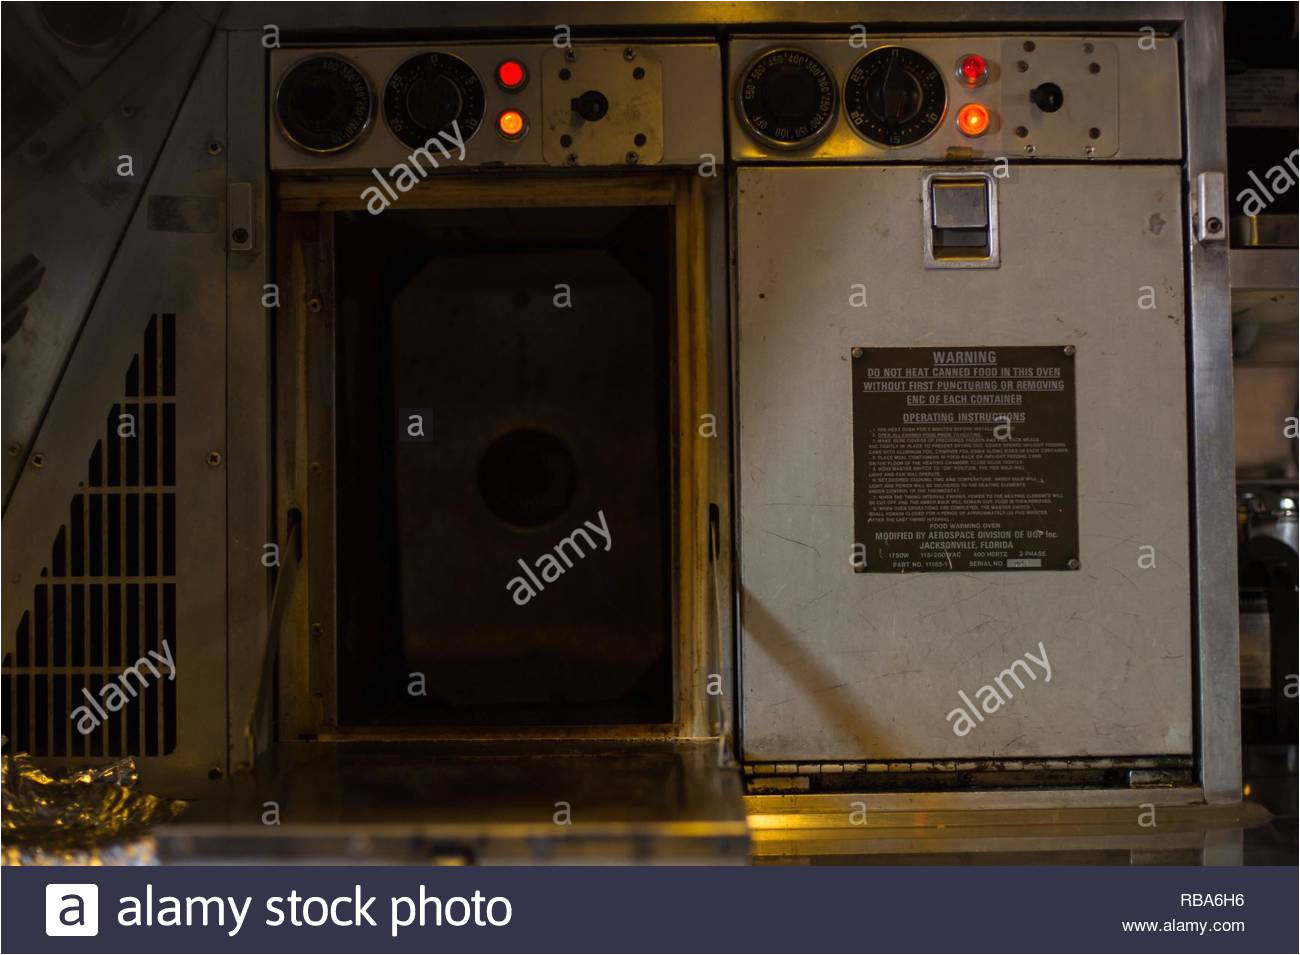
<point x="1210" y="208"/>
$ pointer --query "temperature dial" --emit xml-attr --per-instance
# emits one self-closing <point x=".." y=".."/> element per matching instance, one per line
<point x="323" y="104"/>
<point x="787" y="99"/>
<point x="428" y="93"/>
<point x="895" y="96"/>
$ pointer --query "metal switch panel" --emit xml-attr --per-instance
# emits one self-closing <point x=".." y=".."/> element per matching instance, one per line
<point x="602" y="106"/>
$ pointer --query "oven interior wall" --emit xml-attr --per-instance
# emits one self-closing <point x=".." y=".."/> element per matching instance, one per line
<point x="503" y="461"/>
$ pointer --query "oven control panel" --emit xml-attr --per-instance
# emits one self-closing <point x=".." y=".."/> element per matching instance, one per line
<point x="491" y="104"/>
<point x="929" y="98"/>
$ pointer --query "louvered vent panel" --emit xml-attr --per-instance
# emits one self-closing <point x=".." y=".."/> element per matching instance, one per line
<point x="108" y="595"/>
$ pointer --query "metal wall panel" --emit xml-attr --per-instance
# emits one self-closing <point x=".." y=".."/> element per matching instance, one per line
<point x="838" y="665"/>
<point x="165" y="266"/>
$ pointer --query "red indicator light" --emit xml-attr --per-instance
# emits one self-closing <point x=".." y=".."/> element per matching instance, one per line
<point x="973" y="69"/>
<point x="511" y="75"/>
<point x="973" y="119"/>
<point x="512" y="124"/>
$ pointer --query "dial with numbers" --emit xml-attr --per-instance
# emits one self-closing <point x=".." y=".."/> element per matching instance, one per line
<point x="428" y="93"/>
<point x="895" y="97"/>
<point x="787" y="99"/>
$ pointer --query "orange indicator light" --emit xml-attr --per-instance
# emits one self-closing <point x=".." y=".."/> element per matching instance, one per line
<point x="973" y="119"/>
<point x="511" y="124"/>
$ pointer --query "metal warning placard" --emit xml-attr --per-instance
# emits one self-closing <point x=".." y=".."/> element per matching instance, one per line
<point x="964" y="459"/>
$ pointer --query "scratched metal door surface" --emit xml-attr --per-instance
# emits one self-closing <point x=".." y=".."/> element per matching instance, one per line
<point x="840" y="665"/>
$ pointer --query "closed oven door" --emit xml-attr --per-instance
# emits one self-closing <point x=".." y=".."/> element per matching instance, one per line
<point x="962" y="450"/>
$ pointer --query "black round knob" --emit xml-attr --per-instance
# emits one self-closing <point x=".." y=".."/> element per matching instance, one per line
<point x="894" y="96"/>
<point x="1047" y="97"/>
<point x="433" y="101"/>
<point x="787" y="99"/>
<point x="431" y="94"/>
<point x="323" y="104"/>
<point x="591" y="105"/>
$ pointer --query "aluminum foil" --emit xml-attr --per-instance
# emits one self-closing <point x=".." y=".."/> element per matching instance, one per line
<point x="93" y="815"/>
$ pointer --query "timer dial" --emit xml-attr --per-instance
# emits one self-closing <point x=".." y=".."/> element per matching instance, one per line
<point x="787" y="99"/>
<point x="895" y="97"/>
<point x="323" y="104"/>
<point x="428" y="93"/>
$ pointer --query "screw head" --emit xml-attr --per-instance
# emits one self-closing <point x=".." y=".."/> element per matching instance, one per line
<point x="629" y="53"/>
<point x="15" y="448"/>
<point x="856" y="353"/>
<point x="314" y="304"/>
<point x="632" y="157"/>
<point x="1030" y="148"/>
<point x="38" y="460"/>
<point x="215" y="148"/>
<point x="215" y="773"/>
<point x="239" y="236"/>
<point x="571" y="159"/>
<point x="317" y="629"/>
<point x="570" y="54"/>
<point x="214" y="459"/>
<point x="1213" y="225"/>
<point x="1069" y="349"/>
<point x="1072" y="563"/>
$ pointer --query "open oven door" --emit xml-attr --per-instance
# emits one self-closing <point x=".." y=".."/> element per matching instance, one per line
<point x="505" y="638"/>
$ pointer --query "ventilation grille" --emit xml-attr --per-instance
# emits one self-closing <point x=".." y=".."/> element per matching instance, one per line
<point x="108" y="595"/>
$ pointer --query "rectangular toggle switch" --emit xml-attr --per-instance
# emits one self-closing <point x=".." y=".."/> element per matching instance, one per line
<point x="961" y="221"/>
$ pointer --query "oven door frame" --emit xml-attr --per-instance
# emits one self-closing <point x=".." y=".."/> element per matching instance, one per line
<point x="305" y="484"/>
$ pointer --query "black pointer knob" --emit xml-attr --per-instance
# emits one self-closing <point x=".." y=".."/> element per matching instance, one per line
<point x="1047" y="97"/>
<point x="591" y="105"/>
